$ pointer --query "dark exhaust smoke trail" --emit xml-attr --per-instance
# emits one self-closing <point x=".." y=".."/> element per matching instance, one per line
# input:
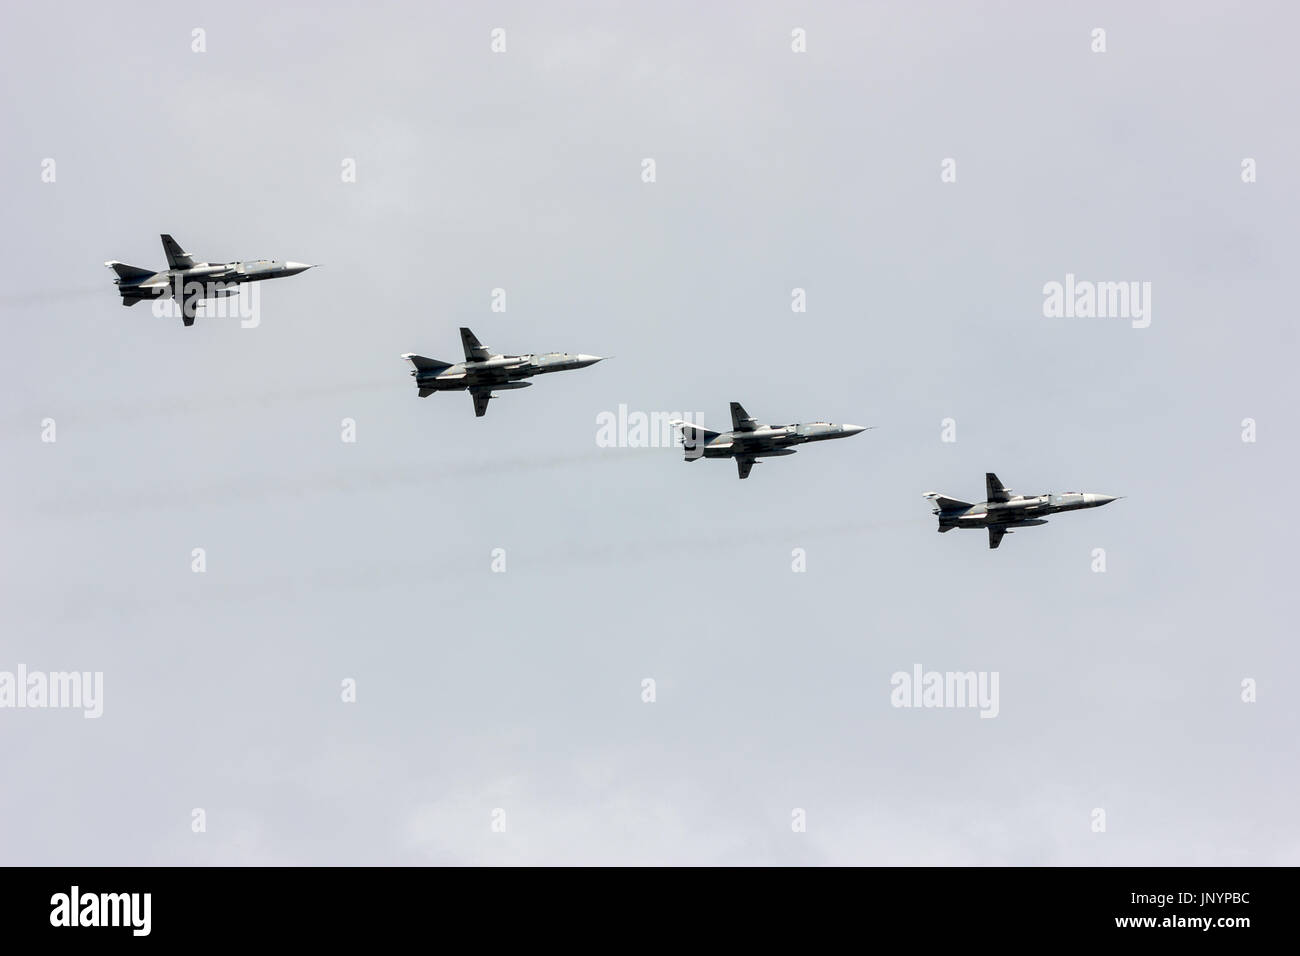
<point x="403" y="574"/>
<point x="106" y="501"/>
<point x="20" y="300"/>
<point x="101" y="414"/>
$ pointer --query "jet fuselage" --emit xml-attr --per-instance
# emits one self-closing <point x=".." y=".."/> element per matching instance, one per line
<point x="482" y="373"/>
<point x="1021" y="510"/>
<point x="189" y="282"/>
<point x="499" y="371"/>
<point x="1005" y="510"/>
<point x="770" y="441"/>
<point x="207" y="280"/>
<point x="749" y="440"/>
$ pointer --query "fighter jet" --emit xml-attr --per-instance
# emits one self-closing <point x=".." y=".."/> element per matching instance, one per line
<point x="188" y="281"/>
<point x="749" y="441"/>
<point x="1006" y="510"/>
<point x="483" y="374"/>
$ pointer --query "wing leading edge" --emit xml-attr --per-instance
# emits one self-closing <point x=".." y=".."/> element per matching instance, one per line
<point x="741" y="420"/>
<point x="177" y="258"/>
<point x="995" y="490"/>
<point x="475" y="351"/>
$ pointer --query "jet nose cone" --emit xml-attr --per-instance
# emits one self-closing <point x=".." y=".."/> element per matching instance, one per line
<point x="585" y="360"/>
<point x="853" y="429"/>
<point x="1098" y="500"/>
<point x="293" y="268"/>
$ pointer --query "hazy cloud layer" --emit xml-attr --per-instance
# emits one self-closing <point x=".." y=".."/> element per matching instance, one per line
<point x="522" y="691"/>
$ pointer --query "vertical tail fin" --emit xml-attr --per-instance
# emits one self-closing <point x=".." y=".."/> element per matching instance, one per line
<point x="694" y="438"/>
<point x="423" y="364"/>
<point x="944" y="503"/>
<point x="127" y="273"/>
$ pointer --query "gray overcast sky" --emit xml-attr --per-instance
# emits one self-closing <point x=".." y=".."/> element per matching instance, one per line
<point x="522" y="691"/>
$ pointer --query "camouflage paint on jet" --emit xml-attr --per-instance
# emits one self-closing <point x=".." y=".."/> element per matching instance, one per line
<point x="188" y="281"/>
<point x="749" y="441"/>
<point x="1005" y="510"/>
<point x="482" y="374"/>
